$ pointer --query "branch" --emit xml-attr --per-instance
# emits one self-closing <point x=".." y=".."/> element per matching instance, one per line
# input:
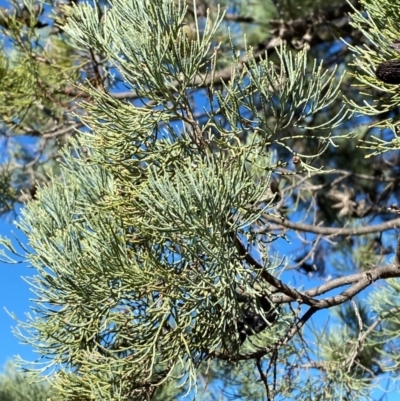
<point x="291" y="293"/>
<point x="333" y="231"/>
<point x="361" y="280"/>
<point x="263" y="377"/>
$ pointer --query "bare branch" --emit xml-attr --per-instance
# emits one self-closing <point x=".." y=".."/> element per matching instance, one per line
<point x="332" y="231"/>
<point x="361" y="280"/>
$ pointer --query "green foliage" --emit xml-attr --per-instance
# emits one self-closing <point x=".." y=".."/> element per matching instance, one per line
<point x="153" y="247"/>
<point x="381" y="27"/>
<point x="15" y="386"/>
<point x="154" y="213"/>
<point x="37" y="73"/>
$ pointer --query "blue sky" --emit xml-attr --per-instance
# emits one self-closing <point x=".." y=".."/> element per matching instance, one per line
<point x="14" y="296"/>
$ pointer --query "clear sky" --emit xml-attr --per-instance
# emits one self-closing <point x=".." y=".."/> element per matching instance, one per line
<point x="14" y="296"/>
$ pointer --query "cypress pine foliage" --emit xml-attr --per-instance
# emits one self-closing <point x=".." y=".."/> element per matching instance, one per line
<point x="156" y="276"/>
<point x="14" y="386"/>
<point x="38" y="70"/>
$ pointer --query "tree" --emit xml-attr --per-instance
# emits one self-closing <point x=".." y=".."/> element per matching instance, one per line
<point x="39" y="70"/>
<point x="158" y="248"/>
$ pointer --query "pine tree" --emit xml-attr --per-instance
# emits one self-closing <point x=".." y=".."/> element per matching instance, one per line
<point x="160" y="269"/>
<point x="40" y="68"/>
